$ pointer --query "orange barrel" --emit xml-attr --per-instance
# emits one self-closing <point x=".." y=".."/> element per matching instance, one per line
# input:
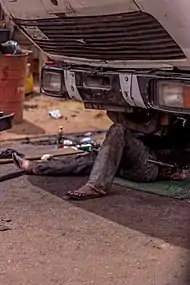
<point x="12" y="85"/>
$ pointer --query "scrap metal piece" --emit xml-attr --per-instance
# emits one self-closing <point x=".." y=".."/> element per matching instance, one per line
<point x="161" y="163"/>
<point x="6" y="122"/>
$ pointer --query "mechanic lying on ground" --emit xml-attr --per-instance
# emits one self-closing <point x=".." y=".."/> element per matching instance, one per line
<point x="121" y="154"/>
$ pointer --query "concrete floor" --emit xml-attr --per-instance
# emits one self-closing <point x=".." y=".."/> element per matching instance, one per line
<point x="127" y="238"/>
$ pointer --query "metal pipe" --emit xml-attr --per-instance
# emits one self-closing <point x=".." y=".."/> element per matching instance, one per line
<point x="161" y="163"/>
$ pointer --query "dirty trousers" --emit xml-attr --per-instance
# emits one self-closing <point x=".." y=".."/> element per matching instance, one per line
<point x="118" y="155"/>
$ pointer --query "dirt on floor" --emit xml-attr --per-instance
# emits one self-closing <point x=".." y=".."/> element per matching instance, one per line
<point x="126" y="238"/>
<point x="37" y="120"/>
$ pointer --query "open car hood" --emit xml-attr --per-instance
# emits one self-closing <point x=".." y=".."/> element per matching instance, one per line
<point x="130" y="33"/>
<point x="22" y="9"/>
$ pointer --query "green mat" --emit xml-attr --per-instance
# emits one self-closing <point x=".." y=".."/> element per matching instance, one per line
<point x="173" y="189"/>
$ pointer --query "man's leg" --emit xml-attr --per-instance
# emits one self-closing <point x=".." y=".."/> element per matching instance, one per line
<point x="135" y="165"/>
<point x="106" y="165"/>
<point x="68" y="165"/>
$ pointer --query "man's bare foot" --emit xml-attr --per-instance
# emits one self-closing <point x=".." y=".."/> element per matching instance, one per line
<point x="84" y="193"/>
<point x="183" y="174"/>
<point x="22" y="163"/>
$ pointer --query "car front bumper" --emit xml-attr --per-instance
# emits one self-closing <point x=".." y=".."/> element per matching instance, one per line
<point x="111" y="90"/>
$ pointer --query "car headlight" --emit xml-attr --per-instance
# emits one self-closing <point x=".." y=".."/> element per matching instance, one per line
<point x="51" y="81"/>
<point x="173" y="95"/>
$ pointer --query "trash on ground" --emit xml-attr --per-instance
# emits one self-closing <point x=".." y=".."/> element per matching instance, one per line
<point x="55" y="114"/>
<point x="78" y="141"/>
<point x="46" y="157"/>
<point x="88" y="134"/>
<point x="67" y="142"/>
<point x="87" y="140"/>
<point x="7" y="153"/>
<point x="10" y="48"/>
<point x="86" y="147"/>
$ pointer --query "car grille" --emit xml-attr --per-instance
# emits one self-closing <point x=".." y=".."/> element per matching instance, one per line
<point x="129" y="36"/>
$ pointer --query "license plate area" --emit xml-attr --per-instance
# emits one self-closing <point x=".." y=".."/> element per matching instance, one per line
<point x="100" y="88"/>
<point x="94" y="81"/>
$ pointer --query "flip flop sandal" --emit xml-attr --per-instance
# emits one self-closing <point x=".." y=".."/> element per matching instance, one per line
<point x="81" y="196"/>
